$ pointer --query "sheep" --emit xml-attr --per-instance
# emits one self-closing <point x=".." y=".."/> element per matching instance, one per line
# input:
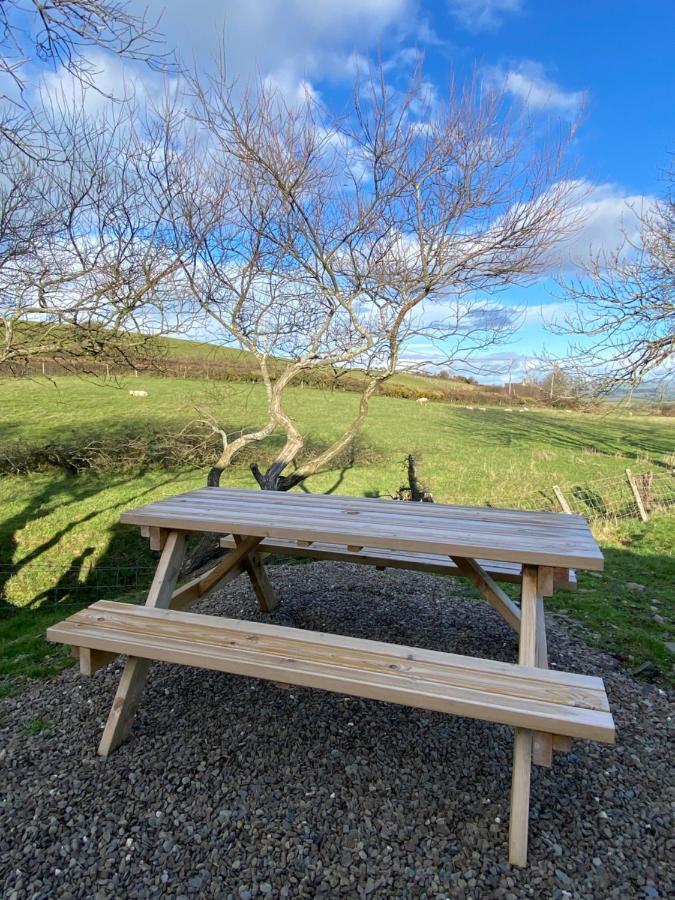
<point x="422" y="400"/>
<point x="138" y="393"/>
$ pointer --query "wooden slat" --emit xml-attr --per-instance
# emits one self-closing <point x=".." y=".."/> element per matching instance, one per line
<point x="520" y="797"/>
<point x="528" y="618"/>
<point x="359" y="509"/>
<point x="542" y="743"/>
<point x="370" y="512"/>
<point x="491" y="591"/>
<point x="358" y="504"/>
<point x="502" y="535"/>
<point x="495" y="691"/>
<point x="565" y="579"/>
<point x="522" y="747"/>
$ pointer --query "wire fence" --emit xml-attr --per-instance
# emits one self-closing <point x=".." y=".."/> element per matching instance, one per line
<point x="624" y="497"/>
<point x="77" y="586"/>
<point x="632" y="495"/>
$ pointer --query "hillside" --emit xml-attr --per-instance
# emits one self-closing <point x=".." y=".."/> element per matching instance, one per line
<point x="182" y="358"/>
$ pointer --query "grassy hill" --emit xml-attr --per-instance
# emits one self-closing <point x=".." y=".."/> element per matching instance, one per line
<point x="182" y="358"/>
<point x="61" y="544"/>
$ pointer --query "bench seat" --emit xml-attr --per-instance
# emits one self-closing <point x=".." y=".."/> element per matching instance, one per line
<point x="565" y="579"/>
<point x="533" y="698"/>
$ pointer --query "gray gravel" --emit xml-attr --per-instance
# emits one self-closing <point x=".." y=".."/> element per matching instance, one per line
<point x="230" y="787"/>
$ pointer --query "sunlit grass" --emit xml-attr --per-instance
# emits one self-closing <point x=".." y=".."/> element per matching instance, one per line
<point x="57" y="529"/>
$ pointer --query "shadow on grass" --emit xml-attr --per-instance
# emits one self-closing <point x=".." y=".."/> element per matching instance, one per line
<point x="123" y="551"/>
<point x="123" y="570"/>
<point x="596" y="434"/>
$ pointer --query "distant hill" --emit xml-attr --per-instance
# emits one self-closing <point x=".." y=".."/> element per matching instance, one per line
<point x="649" y="391"/>
<point x="175" y="357"/>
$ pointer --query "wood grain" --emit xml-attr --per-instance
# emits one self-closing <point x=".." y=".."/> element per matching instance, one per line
<point x="565" y="579"/>
<point x="548" y="539"/>
<point x="495" y="691"/>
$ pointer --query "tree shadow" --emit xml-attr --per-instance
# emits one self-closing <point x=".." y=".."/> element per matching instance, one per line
<point x="123" y="544"/>
<point x="596" y="434"/>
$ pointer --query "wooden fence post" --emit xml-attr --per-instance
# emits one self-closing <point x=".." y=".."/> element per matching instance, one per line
<point x="638" y="498"/>
<point x="560" y="497"/>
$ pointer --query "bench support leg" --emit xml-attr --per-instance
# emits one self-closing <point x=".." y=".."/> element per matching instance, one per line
<point x="522" y="750"/>
<point x="254" y="568"/>
<point x="136" y="670"/>
<point x="490" y="590"/>
<point x="520" y="797"/>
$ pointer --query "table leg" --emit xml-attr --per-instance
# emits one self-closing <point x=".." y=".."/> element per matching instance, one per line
<point x="522" y="748"/>
<point x="542" y="749"/>
<point x="135" y="671"/>
<point x="254" y="568"/>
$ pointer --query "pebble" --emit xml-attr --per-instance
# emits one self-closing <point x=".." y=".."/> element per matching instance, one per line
<point x="263" y="792"/>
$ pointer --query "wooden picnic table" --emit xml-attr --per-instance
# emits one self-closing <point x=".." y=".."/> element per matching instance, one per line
<point x="537" y="550"/>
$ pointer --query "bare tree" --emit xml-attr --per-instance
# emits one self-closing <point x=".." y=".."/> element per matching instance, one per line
<point x="624" y="306"/>
<point x="84" y="272"/>
<point x="76" y="240"/>
<point x="61" y="33"/>
<point x="356" y="242"/>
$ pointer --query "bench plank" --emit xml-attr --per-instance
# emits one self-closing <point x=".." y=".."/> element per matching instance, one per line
<point x="565" y="579"/>
<point x="539" y="699"/>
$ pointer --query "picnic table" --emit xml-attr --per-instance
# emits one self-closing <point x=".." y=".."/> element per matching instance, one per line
<point x="539" y="551"/>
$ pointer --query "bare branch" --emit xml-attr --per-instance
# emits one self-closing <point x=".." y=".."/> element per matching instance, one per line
<point x="624" y="306"/>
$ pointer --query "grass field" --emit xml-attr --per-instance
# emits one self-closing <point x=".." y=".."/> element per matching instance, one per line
<point x="61" y="544"/>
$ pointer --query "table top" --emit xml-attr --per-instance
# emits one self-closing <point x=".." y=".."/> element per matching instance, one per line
<point x="535" y="538"/>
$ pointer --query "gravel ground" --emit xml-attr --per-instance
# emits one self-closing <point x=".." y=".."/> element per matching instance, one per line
<point x="231" y="787"/>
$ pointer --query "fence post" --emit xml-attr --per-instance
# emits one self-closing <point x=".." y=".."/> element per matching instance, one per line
<point x="560" y="497"/>
<point x="636" y="493"/>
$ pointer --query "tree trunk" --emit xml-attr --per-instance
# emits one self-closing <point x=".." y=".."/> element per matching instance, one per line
<point x="213" y="478"/>
<point x="415" y="491"/>
<point x="273" y="480"/>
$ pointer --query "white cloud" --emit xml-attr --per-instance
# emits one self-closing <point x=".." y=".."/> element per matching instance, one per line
<point x="528" y="84"/>
<point x="607" y="216"/>
<point x="303" y="39"/>
<point x="477" y="15"/>
<point x="111" y="77"/>
<point x="294" y="90"/>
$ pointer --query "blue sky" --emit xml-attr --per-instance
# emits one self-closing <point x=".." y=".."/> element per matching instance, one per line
<point x="611" y="62"/>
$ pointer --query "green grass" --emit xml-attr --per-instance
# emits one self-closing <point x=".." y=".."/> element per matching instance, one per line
<point x="61" y="537"/>
<point x="509" y="450"/>
<point x="631" y="623"/>
<point x="36" y="726"/>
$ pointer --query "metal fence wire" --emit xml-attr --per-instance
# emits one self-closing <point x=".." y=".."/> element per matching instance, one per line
<point x="613" y="498"/>
<point x="78" y="585"/>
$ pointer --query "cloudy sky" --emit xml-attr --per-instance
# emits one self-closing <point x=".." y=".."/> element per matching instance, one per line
<point x="608" y="61"/>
